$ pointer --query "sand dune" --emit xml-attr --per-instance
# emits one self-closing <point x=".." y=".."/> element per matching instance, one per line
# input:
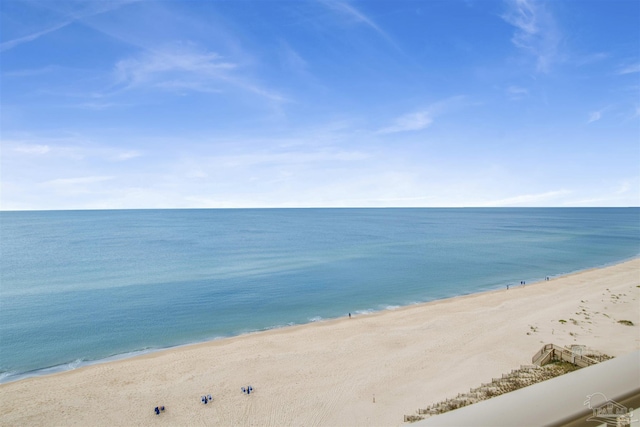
<point x="329" y="373"/>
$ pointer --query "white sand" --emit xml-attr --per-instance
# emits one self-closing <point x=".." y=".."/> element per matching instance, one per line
<point x="327" y="373"/>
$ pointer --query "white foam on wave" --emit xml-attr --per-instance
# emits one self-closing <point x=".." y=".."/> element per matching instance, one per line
<point x="316" y="319"/>
<point x="9" y="376"/>
<point x="268" y="328"/>
<point x="5" y="375"/>
<point x="74" y="365"/>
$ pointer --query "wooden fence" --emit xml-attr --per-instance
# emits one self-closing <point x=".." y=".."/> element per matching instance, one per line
<point x="551" y="352"/>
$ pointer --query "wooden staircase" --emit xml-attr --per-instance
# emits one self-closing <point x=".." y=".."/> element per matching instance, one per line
<point x="551" y="352"/>
<point x="518" y="378"/>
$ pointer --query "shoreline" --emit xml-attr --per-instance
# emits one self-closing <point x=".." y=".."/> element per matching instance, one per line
<point x="330" y="372"/>
<point x="8" y="378"/>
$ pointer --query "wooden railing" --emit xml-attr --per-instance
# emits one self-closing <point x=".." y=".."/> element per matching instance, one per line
<point x="551" y="352"/>
<point x="518" y="378"/>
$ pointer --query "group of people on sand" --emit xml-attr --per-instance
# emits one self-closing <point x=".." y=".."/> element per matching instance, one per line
<point x="522" y="283"/>
<point x="204" y="399"/>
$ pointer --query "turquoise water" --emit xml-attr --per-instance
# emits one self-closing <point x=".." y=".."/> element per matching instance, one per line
<point x="79" y="287"/>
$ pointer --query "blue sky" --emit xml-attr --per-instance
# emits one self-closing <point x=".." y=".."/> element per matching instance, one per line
<point x="212" y="104"/>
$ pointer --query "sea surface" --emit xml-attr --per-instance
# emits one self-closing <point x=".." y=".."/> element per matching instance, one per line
<point x="82" y="287"/>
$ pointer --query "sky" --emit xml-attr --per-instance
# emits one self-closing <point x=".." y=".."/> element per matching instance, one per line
<point x="319" y="103"/>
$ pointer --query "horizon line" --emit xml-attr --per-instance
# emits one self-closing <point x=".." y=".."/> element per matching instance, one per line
<point x="314" y="207"/>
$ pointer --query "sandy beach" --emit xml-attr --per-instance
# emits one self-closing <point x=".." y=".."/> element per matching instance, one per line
<point x="369" y="370"/>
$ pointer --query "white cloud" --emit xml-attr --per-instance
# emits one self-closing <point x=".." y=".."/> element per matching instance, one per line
<point x="409" y="122"/>
<point x="355" y="14"/>
<point x="536" y="31"/>
<point x="62" y="182"/>
<point x="65" y="191"/>
<point x="127" y="155"/>
<point x="185" y="68"/>
<point x="286" y="158"/>
<point x="80" y="11"/>
<point x="591" y="58"/>
<point x="516" y="92"/>
<point x="625" y="192"/>
<point x="30" y="72"/>
<point x="423" y="118"/>
<point x="629" y="69"/>
<point x="197" y="174"/>
<point x="33" y="36"/>
<point x="351" y="12"/>
<point x="96" y="105"/>
<point x="624" y="187"/>
<point x="66" y="148"/>
<point x="32" y="149"/>
<point x="595" y="116"/>
<point x="292" y="60"/>
<point x="157" y="67"/>
<point x="527" y="199"/>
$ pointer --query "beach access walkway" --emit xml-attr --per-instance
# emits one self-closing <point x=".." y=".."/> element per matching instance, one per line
<point x="601" y="393"/>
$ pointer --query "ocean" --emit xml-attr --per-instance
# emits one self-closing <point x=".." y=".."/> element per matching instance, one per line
<point x="82" y="287"/>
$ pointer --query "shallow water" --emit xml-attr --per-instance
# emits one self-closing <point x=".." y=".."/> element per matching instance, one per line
<point x="82" y="286"/>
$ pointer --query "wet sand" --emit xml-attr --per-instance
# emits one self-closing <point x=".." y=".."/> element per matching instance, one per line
<point x="369" y="370"/>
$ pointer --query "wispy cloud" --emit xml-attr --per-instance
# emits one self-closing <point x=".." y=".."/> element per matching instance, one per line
<point x="78" y="12"/>
<point x="517" y="92"/>
<point x="591" y="58"/>
<point x="629" y="69"/>
<point x="292" y="60"/>
<point x="423" y="118"/>
<point x="185" y="68"/>
<point x="358" y="16"/>
<point x="33" y="36"/>
<point x="74" y="148"/>
<point x="528" y="199"/>
<point x="410" y="122"/>
<point x="353" y="13"/>
<point x="74" y="191"/>
<point x="536" y="31"/>
<point x="594" y="116"/>
<point x="32" y="149"/>
<point x="34" y="146"/>
<point x="623" y="188"/>
<point x="77" y="181"/>
<point x="158" y="67"/>
<point x="96" y="105"/>
<point x="277" y="159"/>
<point x="622" y="193"/>
<point x="128" y="155"/>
